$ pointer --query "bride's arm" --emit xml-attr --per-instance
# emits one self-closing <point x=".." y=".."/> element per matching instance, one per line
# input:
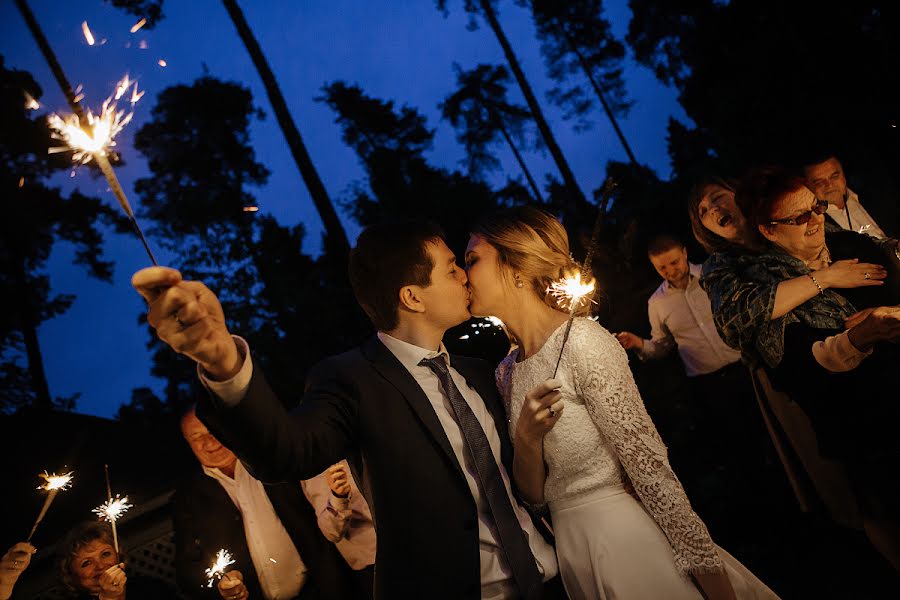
<point x="535" y="420"/>
<point x="604" y="381"/>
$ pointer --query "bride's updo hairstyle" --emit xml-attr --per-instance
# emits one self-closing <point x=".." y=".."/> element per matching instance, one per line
<point x="534" y="244"/>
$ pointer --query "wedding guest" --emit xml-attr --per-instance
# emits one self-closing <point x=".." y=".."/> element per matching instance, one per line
<point x="90" y="567"/>
<point x="345" y="520"/>
<point x="270" y="530"/>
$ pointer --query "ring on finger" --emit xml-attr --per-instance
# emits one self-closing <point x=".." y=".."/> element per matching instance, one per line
<point x="551" y="411"/>
<point x="866" y="275"/>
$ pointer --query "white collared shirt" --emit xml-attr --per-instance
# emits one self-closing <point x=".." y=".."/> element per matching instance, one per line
<point x="684" y="318"/>
<point x="277" y="563"/>
<point x="853" y="217"/>
<point x="496" y="577"/>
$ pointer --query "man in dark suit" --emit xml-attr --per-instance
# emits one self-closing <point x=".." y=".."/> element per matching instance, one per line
<point x="426" y="437"/>
<point x="271" y="531"/>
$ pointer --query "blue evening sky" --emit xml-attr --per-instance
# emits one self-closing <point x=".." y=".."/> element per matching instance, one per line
<point x="394" y="49"/>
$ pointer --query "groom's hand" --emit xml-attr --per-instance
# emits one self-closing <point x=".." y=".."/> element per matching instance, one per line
<point x="188" y="317"/>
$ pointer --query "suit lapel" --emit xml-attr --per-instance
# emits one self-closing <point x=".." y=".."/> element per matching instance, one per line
<point x="396" y="374"/>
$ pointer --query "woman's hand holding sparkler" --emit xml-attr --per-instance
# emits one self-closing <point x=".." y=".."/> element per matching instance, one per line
<point x="112" y="583"/>
<point x="541" y="410"/>
<point x="188" y="317"/>
<point x="231" y="586"/>
<point x="13" y="563"/>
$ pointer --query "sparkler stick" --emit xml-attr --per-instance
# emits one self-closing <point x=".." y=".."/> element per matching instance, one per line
<point x="112" y="509"/>
<point x="83" y="119"/>
<point x="217" y="570"/>
<point x="54" y="483"/>
<point x="574" y="290"/>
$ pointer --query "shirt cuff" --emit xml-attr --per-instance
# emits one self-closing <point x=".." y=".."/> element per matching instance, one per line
<point x="645" y="352"/>
<point x="338" y="503"/>
<point x="232" y="391"/>
<point x="838" y="354"/>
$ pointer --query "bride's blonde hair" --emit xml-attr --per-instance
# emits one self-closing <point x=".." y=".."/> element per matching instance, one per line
<point x="534" y="244"/>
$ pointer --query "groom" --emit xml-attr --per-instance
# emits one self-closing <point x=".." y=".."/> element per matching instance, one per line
<point x="424" y="432"/>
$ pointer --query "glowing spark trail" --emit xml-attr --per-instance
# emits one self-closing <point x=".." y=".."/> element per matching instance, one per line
<point x="138" y="25"/>
<point x="31" y="103"/>
<point x="87" y="33"/>
<point x="53" y="483"/>
<point x="217" y="570"/>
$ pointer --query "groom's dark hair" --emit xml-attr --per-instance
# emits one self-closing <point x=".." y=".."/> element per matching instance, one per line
<point x="387" y="257"/>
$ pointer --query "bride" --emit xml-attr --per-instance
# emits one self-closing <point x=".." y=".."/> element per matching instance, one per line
<point x="575" y="447"/>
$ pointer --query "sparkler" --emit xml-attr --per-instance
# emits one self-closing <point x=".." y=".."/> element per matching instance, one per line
<point x="88" y="36"/>
<point x="112" y="509"/>
<point x="54" y="484"/>
<point x="138" y="25"/>
<point x="91" y="137"/>
<point x="574" y="289"/>
<point x="217" y="570"/>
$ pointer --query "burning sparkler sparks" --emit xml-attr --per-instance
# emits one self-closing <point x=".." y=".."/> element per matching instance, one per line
<point x="88" y="36"/>
<point x="92" y="140"/>
<point x="56" y="482"/>
<point x="138" y="25"/>
<point x="217" y="570"/>
<point x="162" y="63"/>
<point x="53" y="483"/>
<point x="113" y="508"/>
<point x="571" y="292"/>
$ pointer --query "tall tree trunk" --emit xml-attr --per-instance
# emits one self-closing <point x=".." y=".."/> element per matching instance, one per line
<point x="28" y="320"/>
<point x="577" y="200"/>
<point x="335" y="230"/>
<point x="534" y="188"/>
<point x="599" y="92"/>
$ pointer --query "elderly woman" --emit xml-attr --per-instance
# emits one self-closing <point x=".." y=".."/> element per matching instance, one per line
<point x="833" y="361"/>
<point x="743" y="309"/>
<point x="90" y="567"/>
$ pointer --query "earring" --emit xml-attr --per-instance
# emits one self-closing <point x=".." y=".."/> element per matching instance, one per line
<point x="519" y="283"/>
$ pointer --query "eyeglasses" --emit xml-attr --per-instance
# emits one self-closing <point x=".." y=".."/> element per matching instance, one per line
<point x="803" y="218"/>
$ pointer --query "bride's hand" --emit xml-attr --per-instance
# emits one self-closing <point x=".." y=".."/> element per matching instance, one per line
<point x="541" y="410"/>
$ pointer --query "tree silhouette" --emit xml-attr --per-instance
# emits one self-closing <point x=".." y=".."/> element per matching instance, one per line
<point x="390" y="143"/>
<point x="576" y="202"/>
<point x="36" y="217"/>
<point x="577" y="40"/>
<point x="335" y="236"/>
<point x="482" y="114"/>
<point x="334" y="230"/>
<point x="762" y="81"/>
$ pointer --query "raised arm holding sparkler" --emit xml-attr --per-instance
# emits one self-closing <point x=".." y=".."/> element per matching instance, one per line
<point x="12" y="565"/>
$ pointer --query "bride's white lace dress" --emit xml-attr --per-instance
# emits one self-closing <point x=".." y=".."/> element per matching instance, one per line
<point x="611" y="545"/>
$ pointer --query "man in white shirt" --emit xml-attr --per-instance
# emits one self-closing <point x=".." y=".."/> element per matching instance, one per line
<point x="424" y="432"/>
<point x="345" y="520"/>
<point x="680" y="316"/>
<point x="279" y="552"/>
<point x="826" y="178"/>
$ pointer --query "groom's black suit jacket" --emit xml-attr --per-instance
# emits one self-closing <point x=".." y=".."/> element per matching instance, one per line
<point x="365" y="406"/>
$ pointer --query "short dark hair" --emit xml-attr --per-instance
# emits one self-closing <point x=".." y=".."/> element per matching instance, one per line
<point x="78" y="537"/>
<point x="663" y="243"/>
<point x="387" y="257"/>
<point x="761" y="190"/>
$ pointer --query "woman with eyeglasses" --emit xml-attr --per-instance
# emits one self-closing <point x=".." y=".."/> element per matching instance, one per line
<point x="832" y="360"/>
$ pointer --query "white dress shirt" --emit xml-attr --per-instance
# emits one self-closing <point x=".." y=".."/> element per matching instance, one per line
<point x="278" y="565"/>
<point x="496" y="577"/>
<point x="684" y="318"/>
<point x="346" y="522"/>
<point x="853" y="217"/>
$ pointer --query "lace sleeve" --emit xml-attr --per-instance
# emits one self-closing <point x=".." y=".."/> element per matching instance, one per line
<point x="603" y="379"/>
